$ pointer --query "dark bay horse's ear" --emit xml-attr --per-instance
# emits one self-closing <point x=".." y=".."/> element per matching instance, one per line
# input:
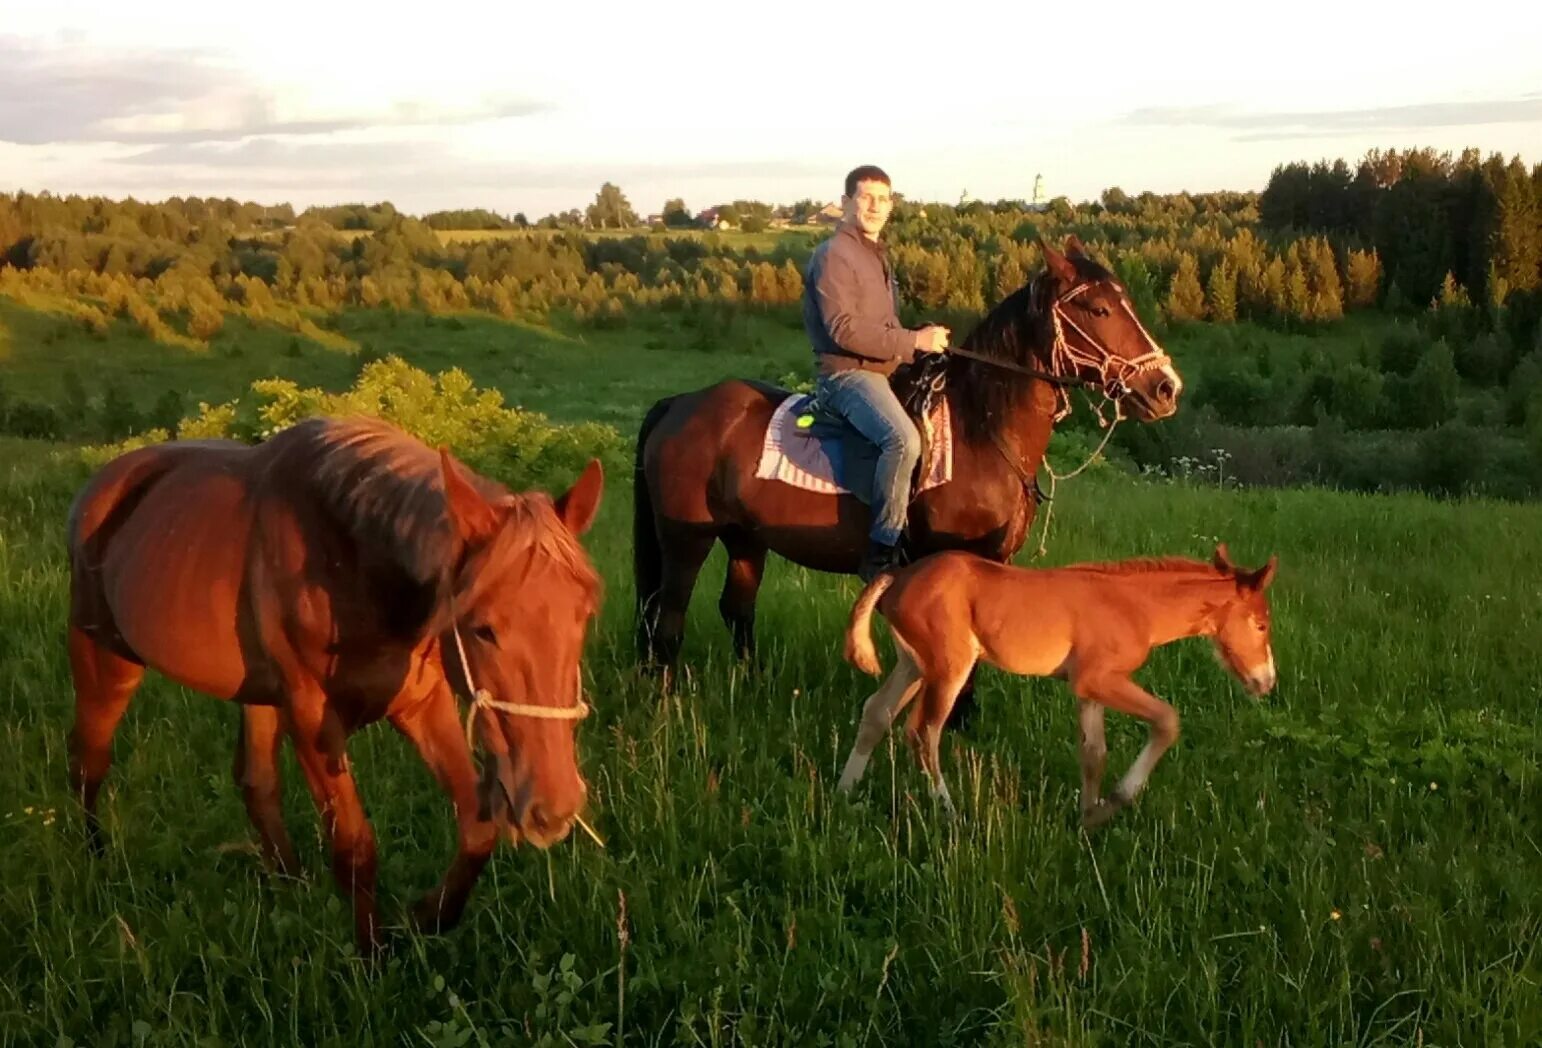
<point x="579" y="504"/>
<point x="1260" y="579"/>
<point x="472" y="516"/>
<point x="1222" y="560"/>
<point x="1073" y="246"/>
<point x="1059" y="266"/>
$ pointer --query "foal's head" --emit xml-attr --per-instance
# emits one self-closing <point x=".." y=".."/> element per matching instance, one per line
<point x="1242" y="630"/>
<point x="525" y="592"/>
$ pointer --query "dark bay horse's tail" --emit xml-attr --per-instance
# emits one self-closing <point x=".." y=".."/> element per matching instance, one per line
<point x="647" y="556"/>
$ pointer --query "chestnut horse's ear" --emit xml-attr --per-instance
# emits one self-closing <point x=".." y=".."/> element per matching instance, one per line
<point x="579" y="504"/>
<point x="1264" y="575"/>
<point x="1059" y="266"/>
<point x="1073" y="246"/>
<point x="1222" y="560"/>
<point x="472" y="516"/>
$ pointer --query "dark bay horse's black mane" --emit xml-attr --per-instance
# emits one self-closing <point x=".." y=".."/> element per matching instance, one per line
<point x="1016" y="330"/>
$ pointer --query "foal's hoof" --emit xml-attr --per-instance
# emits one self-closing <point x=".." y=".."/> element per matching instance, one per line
<point x="1096" y="817"/>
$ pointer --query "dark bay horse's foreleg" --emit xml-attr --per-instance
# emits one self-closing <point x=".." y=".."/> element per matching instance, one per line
<point x="746" y="567"/>
<point x="1120" y="693"/>
<point x="104" y="683"/>
<point x="685" y="549"/>
<point x="320" y="742"/>
<point x="256" y="774"/>
<point x="434" y="727"/>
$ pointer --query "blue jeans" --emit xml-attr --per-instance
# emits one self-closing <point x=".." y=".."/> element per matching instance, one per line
<point x="865" y="401"/>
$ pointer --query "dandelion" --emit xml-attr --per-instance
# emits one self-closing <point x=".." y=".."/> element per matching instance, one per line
<point x="1336" y="915"/>
<point x="1434" y="787"/>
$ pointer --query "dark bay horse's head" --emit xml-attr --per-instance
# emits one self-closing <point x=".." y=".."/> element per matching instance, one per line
<point x="525" y="592"/>
<point x="1242" y="634"/>
<point x="1098" y="336"/>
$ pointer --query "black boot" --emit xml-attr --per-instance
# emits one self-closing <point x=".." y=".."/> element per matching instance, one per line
<point x="879" y="558"/>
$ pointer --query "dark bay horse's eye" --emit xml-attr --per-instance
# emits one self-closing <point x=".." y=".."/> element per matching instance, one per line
<point x="484" y="632"/>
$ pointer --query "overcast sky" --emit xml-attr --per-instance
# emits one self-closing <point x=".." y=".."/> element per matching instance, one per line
<point x="516" y="109"/>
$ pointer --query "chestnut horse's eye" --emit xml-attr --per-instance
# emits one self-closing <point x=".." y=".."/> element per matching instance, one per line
<point x="1098" y="311"/>
<point x="1263" y="627"/>
<point x="484" y="632"/>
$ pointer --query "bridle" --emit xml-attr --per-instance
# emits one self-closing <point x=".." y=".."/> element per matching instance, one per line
<point x="1115" y="373"/>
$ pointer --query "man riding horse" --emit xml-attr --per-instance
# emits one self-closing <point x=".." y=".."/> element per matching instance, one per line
<point x="850" y="315"/>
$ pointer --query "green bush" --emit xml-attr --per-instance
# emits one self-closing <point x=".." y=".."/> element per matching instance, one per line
<point x="521" y="448"/>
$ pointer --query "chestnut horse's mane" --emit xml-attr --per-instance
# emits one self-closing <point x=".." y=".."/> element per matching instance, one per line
<point x="385" y="489"/>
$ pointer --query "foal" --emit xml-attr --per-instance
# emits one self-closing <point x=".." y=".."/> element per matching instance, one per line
<point x="1091" y="625"/>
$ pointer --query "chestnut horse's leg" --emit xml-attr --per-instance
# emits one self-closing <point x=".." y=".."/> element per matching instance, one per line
<point x="746" y="566"/>
<point x="256" y="773"/>
<point x="1123" y="694"/>
<point x="434" y="728"/>
<point x="104" y="683"/>
<point x="964" y="706"/>
<point x="320" y="745"/>
<point x="1094" y="754"/>
<point x="879" y="712"/>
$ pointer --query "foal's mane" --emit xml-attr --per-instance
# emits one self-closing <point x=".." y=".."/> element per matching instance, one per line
<point x="1148" y="566"/>
<point x="1016" y="330"/>
<point x="385" y="489"/>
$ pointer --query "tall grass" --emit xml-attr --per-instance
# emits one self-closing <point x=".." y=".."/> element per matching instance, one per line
<point x="1352" y="861"/>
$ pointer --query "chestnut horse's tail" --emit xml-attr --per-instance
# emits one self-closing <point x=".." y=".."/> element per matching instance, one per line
<point x="647" y="556"/>
<point x="859" y="631"/>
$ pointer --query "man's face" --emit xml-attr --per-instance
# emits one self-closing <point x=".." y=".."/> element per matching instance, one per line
<point x="870" y="208"/>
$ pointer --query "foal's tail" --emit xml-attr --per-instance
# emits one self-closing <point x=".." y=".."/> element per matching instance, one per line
<point x="647" y="556"/>
<point x="859" y="631"/>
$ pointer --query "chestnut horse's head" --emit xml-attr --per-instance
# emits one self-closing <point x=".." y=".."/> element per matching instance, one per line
<point x="1242" y="630"/>
<point x="524" y="594"/>
<point x="1099" y="339"/>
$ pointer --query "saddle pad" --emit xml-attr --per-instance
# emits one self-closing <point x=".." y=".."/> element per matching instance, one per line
<point x="796" y="457"/>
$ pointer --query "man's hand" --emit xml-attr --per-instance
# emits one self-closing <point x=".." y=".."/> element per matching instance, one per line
<point x="932" y="339"/>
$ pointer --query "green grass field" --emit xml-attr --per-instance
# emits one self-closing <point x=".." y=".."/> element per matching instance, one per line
<point x="1353" y="860"/>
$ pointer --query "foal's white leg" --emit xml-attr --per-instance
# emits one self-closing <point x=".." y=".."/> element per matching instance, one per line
<point x="1125" y="695"/>
<point x="878" y="713"/>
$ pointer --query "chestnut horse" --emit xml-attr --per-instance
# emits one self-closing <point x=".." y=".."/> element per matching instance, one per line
<point x="336" y="574"/>
<point x="1091" y="625"/>
<point x="695" y="480"/>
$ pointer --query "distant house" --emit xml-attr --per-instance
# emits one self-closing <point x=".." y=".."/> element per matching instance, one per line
<point x="708" y="219"/>
<point x="655" y="220"/>
<point x="829" y="215"/>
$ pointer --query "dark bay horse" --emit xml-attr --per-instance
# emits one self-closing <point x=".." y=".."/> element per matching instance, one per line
<point x="1091" y="625"/>
<point x="336" y="574"/>
<point x="695" y="477"/>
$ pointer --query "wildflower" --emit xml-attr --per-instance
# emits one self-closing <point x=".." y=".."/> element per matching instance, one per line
<point x="1336" y="915"/>
<point x="1433" y="787"/>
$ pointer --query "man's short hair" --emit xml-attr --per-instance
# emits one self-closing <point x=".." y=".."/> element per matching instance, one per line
<point x="866" y="173"/>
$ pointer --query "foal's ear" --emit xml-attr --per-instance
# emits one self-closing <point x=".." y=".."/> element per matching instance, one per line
<point x="1059" y="266"/>
<point x="472" y="516"/>
<point x="1073" y="246"/>
<point x="1222" y="560"/>
<point x="581" y="502"/>
<point x="1261" y="578"/>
